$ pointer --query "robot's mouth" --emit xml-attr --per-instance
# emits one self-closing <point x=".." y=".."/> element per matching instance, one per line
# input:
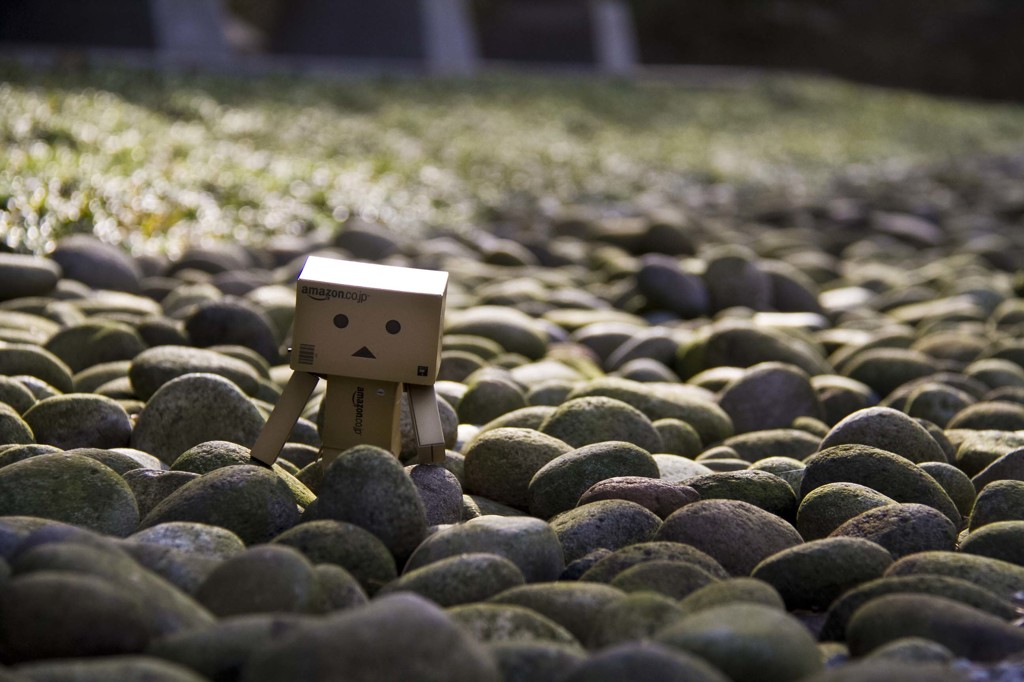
<point x="364" y="352"/>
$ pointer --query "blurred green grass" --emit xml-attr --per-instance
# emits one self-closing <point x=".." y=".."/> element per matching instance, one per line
<point x="153" y="160"/>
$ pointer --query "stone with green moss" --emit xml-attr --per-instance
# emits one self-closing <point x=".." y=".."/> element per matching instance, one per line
<point x="69" y="488"/>
<point x="747" y="642"/>
<point x="959" y="589"/>
<point x="645" y="661"/>
<point x="810" y="576"/>
<point x="882" y="471"/>
<point x="690" y="404"/>
<point x="1001" y="500"/>
<point x="760" y="488"/>
<point x="732" y="590"/>
<point x="736" y="533"/>
<point x="782" y="442"/>
<point x="558" y="485"/>
<point x="490" y="622"/>
<point x="250" y="501"/>
<point x="831" y="505"/>
<point x="501" y="462"/>
<point x="527" y="542"/>
<point x="462" y="579"/>
<point x="605" y="524"/>
<point x="355" y="549"/>
<point x="573" y="606"/>
<point x="966" y="631"/>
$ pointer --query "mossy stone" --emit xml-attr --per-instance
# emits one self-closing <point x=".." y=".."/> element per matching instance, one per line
<point x="264" y="579"/>
<point x="937" y="402"/>
<point x="653" y="494"/>
<point x="523" y="418"/>
<point x="15" y="395"/>
<point x="195" y="538"/>
<point x="208" y="456"/>
<point x="606" y="524"/>
<point x="193" y="409"/>
<point x="355" y="549"/>
<point x="678" y="437"/>
<point x="769" y="395"/>
<point x="665" y="401"/>
<point x="644" y="661"/>
<point x="126" y="668"/>
<point x="783" y="442"/>
<point x="1001" y="577"/>
<point x="885" y="472"/>
<point x="831" y="505"/>
<point x="78" y="420"/>
<point x="515" y="331"/>
<point x="489" y="399"/>
<point x="1007" y="467"/>
<point x="886" y="429"/>
<point x="95" y="341"/>
<point x="736" y="533"/>
<point x="183" y="570"/>
<point x="154" y="367"/>
<point x="558" y="485"/>
<point x="491" y="623"/>
<point x="747" y="642"/>
<point x="740" y="343"/>
<point x="989" y="415"/>
<point x="732" y="590"/>
<point x="69" y="488"/>
<point x="461" y="579"/>
<point x="14" y="429"/>
<point x="529" y="543"/>
<point x="348" y="645"/>
<point x="250" y="501"/>
<point x="151" y="486"/>
<point x="976" y="450"/>
<point x="1002" y="540"/>
<point x="810" y="576"/>
<point x="871" y="669"/>
<point x="60" y="615"/>
<point x="913" y="650"/>
<point x="367" y="486"/>
<point x="18" y="359"/>
<point x="24" y="275"/>
<point x="638" y="616"/>
<point x="439" y="491"/>
<point x="572" y="605"/>
<point x="760" y="488"/>
<point x="676" y="469"/>
<point x="164" y="608"/>
<point x="534" y="661"/>
<point x="998" y="501"/>
<point x="607" y="568"/>
<point x="501" y="462"/>
<point x="902" y="529"/>
<point x="886" y="369"/>
<point x="218" y="651"/>
<point x="956" y="484"/>
<point x="839" y="613"/>
<point x="595" y="419"/>
<point x="964" y="630"/>
<point x="788" y="469"/>
<point x="675" y="579"/>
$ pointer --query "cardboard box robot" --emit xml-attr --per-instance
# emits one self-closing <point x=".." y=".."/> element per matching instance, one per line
<point x="369" y="331"/>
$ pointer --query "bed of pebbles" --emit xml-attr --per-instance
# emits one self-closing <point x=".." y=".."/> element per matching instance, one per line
<point x="753" y="441"/>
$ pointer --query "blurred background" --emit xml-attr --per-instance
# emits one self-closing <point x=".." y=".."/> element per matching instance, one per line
<point x="959" y="47"/>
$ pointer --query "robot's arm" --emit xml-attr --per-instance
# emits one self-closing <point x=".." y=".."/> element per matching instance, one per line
<point x="426" y="423"/>
<point x="286" y="412"/>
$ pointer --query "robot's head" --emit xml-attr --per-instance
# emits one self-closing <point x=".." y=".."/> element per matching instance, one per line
<point x="368" y="321"/>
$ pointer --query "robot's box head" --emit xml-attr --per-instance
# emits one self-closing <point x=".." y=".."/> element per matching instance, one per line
<point x="368" y="321"/>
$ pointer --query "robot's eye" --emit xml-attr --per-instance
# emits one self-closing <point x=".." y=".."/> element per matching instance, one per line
<point x="341" y="321"/>
<point x="393" y="327"/>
